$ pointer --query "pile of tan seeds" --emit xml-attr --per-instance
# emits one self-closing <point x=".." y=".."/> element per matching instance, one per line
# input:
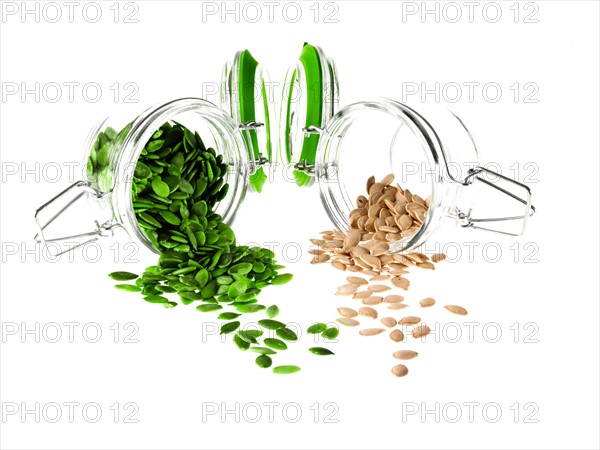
<point x="389" y="214"/>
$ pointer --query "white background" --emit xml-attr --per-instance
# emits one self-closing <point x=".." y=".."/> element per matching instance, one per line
<point x="551" y="371"/>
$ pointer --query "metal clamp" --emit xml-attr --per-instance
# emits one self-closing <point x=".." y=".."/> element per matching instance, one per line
<point x="81" y="239"/>
<point x="467" y="221"/>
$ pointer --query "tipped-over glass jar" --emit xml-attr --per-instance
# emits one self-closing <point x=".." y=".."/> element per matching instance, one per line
<point x="429" y="151"/>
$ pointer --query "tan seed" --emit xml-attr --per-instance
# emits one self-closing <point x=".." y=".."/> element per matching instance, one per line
<point x="370" y="273"/>
<point x="371" y="331"/>
<point x="427" y="302"/>
<point x="428" y="201"/>
<point x="348" y="322"/>
<point x="378" y="288"/>
<point x="376" y="188"/>
<point x="370" y="182"/>
<point x="347" y="312"/>
<point x="397" y="306"/>
<point x="389" y="322"/>
<point x="362" y="294"/>
<point x="372" y="300"/>
<point x="357" y="280"/>
<point x="338" y="265"/>
<point x="405" y="354"/>
<point x="426" y="265"/>
<point x="361" y="201"/>
<point x="352" y="239"/>
<point x="371" y="260"/>
<point x="380" y="248"/>
<point x="318" y="259"/>
<point x="404" y="222"/>
<point x="400" y="370"/>
<point x="393" y="299"/>
<point x="367" y="312"/>
<point x="420" y="331"/>
<point x="347" y="289"/>
<point x="397" y="336"/>
<point x="352" y="268"/>
<point x="438" y="257"/>
<point x="374" y="210"/>
<point x="388" y="179"/>
<point x="386" y="259"/>
<point x="401" y="283"/>
<point x="409" y="320"/>
<point x="380" y="278"/>
<point x="456" y="309"/>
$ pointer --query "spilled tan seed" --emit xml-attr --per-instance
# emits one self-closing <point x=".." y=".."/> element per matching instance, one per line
<point x="370" y="182"/>
<point x="400" y="370"/>
<point x="427" y="302"/>
<point x="357" y="280"/>
<point x="352" y="239"/>
<point x="348" y="322"/>
<point x="367" y="312"/>
<point x="397" y="306"/>
<point x="393" y="299"/>
<point x="347" y="312"/>
<point x="388" y="179"/>
<point x="409" y="320"/>
<point x="378" y="288"/>
<point x="318" y="259"/>
<point x="426" y="265"/>
<point x="338" y="265"/>
<point x="372" y="300"/>
<point x="361" y="295"/>
<point x="405" y="354"/>
<point x="380" y="248"/>
<point x="347" y="289"/>
<point x="456" y="309"/>
<point x="397" y="335"/>
<point x="380" y="278"/>
<point x="371" y="331"/>
<point x="389" y="322"/>
<point x="372" y="261"/>
<point x="438" y="257"/>
<point x="401" y="283"/>
<point x="420" y="331"/>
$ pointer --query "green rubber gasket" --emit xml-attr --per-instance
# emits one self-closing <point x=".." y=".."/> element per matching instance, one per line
<point x="246" y="83"/>
<point x="313" y="72"/>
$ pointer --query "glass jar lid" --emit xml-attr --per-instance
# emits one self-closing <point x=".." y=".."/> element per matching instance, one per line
<point x="310" y="98"/>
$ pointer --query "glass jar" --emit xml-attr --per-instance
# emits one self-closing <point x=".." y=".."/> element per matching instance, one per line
<point x="239" y="130"/>
<point x="429" y="151"/>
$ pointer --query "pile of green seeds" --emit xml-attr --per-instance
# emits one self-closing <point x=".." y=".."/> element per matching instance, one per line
<point x="176" y="185"/>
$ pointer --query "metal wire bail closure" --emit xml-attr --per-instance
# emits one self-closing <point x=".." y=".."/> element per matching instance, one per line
<point x="490" y="191"/>
<point x="78" y="194"/>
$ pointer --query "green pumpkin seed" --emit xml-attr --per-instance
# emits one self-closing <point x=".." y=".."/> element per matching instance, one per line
<point x="229" y="327"/>
<point x="330" y="333"/>
<point x="320" y="351"/>
<point x="160" y="188"/>
<point x="271" y="324"/>
<point x="249" y="308"/>
<point x="208" y="307"/>
<point x="264" y="361"/>
<point x="287" y="334"/>
<point x="282" y="279"/>
<point x="128" y="287"/>
<point x="272" y="311"/>
<point x="122" y="276"/>
<point x="228" y="316"/>
<point x="285" y="370"/>
<point x="316" y="328"/>
<point x="275" y="344"/>
<point x="263" y="350"/>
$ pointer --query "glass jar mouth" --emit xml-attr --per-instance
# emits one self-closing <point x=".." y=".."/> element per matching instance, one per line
<point x="330" y="163"/>
<point x="223" y="130"/>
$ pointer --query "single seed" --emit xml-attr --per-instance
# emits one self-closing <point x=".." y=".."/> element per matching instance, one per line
<point x="347" y="289"/>
<point x="409" y="320"/>
<point x="338" y="265"/>
<point x="380" y="278"/>
<point x="393" y="299"/>
<point x="347" y="312"/>
<point x="397" y="306"/>
<point x="371" y="260"/>
<point x="348" y="322"/>
<point x="405" y="354"/>
<point x="438" y="257"/>
<point x="421" y="331"/>
<point x="456" y="309"/>
<point x="367" y="312"/>
<point x="397" y="335"/>
<point x="371" y="331"/>
<point x="427" y="302"/>
<point x="361" y="295"/>
<point x="401" y="283"/>
<point x="378" y="288"/>
<point x="370" y="182"/>
<point x="389" y="322"/>
<point x="388" y="179"/>
<point x="321" y="258"/>
<point x="380" y="248"/>
<point x="285" y="370"/>
<point x="352" y="239"/>
<point x="376" y="188"/>
<point x="426" y="265"/>
<point x="357" y="280"/>
<point x="400" y="370"/>
<point x="372" y="300"/>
